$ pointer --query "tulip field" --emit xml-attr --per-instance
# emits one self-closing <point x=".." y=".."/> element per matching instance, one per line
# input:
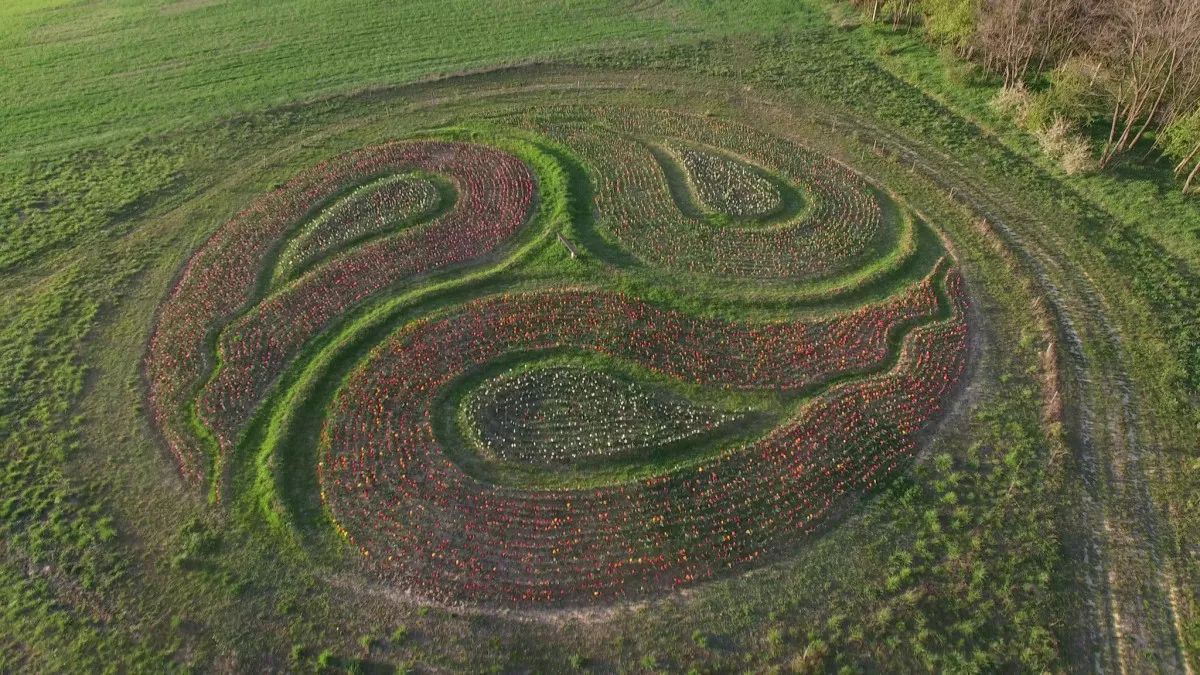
<point x="639" y="337"/>
<point x="563" y="415"/>
<point x="436" y="532"/>
<point x="852" y="388"/>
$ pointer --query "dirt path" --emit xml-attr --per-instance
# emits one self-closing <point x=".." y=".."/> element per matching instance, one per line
<point x="1131" y="625"/>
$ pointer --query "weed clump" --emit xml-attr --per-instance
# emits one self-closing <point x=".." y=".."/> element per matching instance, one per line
<point x="1073" y="152"/>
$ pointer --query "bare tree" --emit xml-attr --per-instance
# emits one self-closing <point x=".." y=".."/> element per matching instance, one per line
<point x="1013" y="33"/>
<point x="1181" y="139"/>
<point x="1059" y="28"/>
<point x="1150" y="48"/>
<point x="1005" y="39"/>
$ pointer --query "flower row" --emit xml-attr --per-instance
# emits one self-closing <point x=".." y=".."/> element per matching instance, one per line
<point x="369" y="210"/>
<point x="635" y="205"/>
<point x="221" y="278"/>
<point x="439" y="533"/>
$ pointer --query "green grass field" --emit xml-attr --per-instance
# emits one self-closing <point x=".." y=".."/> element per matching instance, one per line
<point x="79" y="73"/>
<point x="1047" y="523"/>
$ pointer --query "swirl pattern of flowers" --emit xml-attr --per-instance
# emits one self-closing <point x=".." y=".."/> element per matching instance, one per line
<point x="694" y="197"/>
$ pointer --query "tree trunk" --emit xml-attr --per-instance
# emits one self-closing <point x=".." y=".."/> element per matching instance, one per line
<point x="1041" y="64"/>
<point x="1112" y="134"/>
<point x="1163" y="86"/>
<point x="1025" y="65"/>
<point x="1191" y="177"/>
<point x="1153" y="111"/>
<point x="1131" y="117"/>
<point x="1182" y="165"/>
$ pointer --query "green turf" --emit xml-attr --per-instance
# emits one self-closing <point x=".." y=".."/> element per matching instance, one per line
<point x="77" y="73"/>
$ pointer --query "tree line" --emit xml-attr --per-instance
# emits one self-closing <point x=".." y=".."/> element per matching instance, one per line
<point x="1128" y="71"/>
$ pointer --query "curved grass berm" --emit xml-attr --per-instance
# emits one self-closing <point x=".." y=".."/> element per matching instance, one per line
<point x="225" y="274"/>
<point x="834" y="223"/>
<point x="441" y="534"/>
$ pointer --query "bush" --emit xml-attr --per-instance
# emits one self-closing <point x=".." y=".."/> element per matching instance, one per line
<point x="1072" y="151"/>
<point x="1072" y="95"/>
<point x="1013" y="102"/>
<point x="964" y="73"/>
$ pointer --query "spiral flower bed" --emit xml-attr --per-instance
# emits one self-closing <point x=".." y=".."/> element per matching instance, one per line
<point x="440" y="533"/>
<point x="497" y="192"/>
<point x="634" y="202"/>
<point x="278" y="292"/>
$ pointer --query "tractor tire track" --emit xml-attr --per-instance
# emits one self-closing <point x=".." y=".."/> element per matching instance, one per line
<point x="1131" y="622"/>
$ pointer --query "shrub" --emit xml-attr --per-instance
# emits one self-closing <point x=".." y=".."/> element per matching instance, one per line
<point x="1072" y="151"/>
<point x="1014" y="102"/>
